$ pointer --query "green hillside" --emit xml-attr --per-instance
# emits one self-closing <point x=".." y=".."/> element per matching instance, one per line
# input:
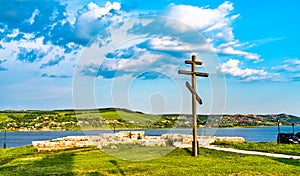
<point x="120" y="118"/>
<point x="116" y="118"/>
<point x="73" y="120"/>
<point x="233" y="120"/>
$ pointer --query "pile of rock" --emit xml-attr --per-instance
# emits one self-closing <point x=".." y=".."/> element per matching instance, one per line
<point x="66" y="142"/>
<point x="129" y="137"/>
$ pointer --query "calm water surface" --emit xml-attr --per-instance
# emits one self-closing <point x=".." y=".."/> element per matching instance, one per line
<point x="259" y="134"/>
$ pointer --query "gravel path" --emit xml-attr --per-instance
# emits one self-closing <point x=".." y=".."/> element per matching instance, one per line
<point x="252" y="152"/>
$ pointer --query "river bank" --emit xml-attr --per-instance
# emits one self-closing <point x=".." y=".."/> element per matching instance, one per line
<point x="259" y="134"/>
<point x="119" y="129"/>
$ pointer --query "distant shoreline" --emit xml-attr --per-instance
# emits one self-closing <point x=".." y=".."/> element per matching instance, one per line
<point x="134" y="129"/>
<point x="123" y="119"/>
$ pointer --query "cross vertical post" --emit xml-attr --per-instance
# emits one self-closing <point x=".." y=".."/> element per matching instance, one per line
<point x="194" y="109"/>
<point x="195" y="96"/>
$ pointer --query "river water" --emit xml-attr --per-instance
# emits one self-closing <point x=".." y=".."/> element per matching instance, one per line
<point x="257" y="134"/>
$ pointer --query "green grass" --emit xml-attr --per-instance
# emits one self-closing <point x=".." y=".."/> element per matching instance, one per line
<point x="4" y="118"/>
<point x="111" y="114"/>
<point x="127" y="119"/>
<point x="27" y="161"/>
<point x="144" y="119"/>
<point x="13" y="153"/>
<point x="271" y="147"/>
<point x="136" y="152"/>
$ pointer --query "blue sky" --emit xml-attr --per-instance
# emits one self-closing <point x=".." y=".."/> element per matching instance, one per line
<point x="87" y="54"/>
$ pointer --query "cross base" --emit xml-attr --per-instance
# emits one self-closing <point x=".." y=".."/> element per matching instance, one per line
<point x="195" y="149"/>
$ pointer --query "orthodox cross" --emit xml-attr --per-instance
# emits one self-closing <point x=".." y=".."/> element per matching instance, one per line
<point x="195" y="97"/>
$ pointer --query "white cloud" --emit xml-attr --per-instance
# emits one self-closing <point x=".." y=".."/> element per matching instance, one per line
<point x="47" y="52"/>
<point x="214" y="23"/>
<point x="91" y="19"/>
<point x="34" y="14"/>
<point x="175" y="44"/>
<point x="297" y="76"/>
<point x="131" y="65"/>
<point x="252" y="56"/>
<point x="269" y="76"/>
<point x="226" y="34"/>
<point x="264" y="41"/>
<point x="231" y="67"/>
<point x="29" y="36"/>
<point x="228" y="50"/>
<point x="14" y="33"/>
<point x="202" y="18"/>
<point x="234" y="43"/>
<point x="293" y="61"/>
<point x="164" y="43"/>
<point x="291" y="65"/>
<point x="93" y="11"/>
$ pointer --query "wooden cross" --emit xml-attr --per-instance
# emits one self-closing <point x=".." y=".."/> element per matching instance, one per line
<point x="195" y="97"/>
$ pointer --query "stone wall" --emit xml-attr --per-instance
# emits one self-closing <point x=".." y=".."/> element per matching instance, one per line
<point x="66" y="143"/>
<point x="128" y="137"/>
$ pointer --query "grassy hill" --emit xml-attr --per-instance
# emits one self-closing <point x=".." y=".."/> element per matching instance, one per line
<point x="118" y="114"/>
<point x="78" y="119"/>
<point x="110" y="118"/>
<point x="4" y="118"/>
<point x="233" y="120"/>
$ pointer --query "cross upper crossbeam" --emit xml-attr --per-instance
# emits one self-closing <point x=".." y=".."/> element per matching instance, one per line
<point x="193" y="62"/>
<point x="185" y="72"/>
